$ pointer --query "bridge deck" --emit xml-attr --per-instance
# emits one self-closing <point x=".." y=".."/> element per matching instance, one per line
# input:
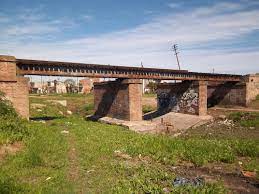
<point x="55" y="68"/>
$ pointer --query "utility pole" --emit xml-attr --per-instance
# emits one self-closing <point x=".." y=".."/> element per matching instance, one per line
<point x="175" y="47"/>
<point x="143" y="81"/>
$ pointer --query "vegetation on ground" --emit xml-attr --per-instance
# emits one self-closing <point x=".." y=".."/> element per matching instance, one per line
<point x="147" y="109"/>
<point x="69" y="154"/>
<point x="12" y="127"/>
<point x="246" y="119"/>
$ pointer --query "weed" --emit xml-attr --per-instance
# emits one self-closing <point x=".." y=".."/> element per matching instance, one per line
<point x="246" y="119"/>
<point x="9" y="185"/>
<point x="12" y="127"/>
<point x="147" y="109"/>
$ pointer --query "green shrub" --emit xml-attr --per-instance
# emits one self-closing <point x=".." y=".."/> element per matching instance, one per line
<point x="6" y="107"/>
<point x="246" y="119"/>
<point x="9" y="185"/>
<point x="89" y="109"/>
<point x="147" y="109"/>
<point x="12" y="127"/>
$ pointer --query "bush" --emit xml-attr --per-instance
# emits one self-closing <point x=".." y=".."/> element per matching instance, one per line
<point x="147" y="109"/>
<point x="246" y="119"/>
<point x="9" y="185"/>
<point x="6" y="107"/>
<point x="89" y="109"/>
<point x="12" y="127"/>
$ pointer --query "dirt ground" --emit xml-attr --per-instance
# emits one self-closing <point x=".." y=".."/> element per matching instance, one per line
<point x="10" y="149"/>
<point x="212" y="173"/>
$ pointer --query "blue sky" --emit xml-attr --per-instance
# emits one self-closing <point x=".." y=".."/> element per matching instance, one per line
<point x="220" y="35"/>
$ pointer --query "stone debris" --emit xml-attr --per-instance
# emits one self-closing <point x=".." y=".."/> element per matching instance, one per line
<point x="120" y="154"/>
<point x="39" y="110"/>
<point x="61" y="102"/>
<point x="65" y="132"/>
<point x="249" y="174"/>
<point x="48" y="178"/>
<point x="69" y="112"/>
<point x="69" y="123"/>
<point x="89" y="171"/>
<point x="166" y="190"/>
<point x="60" y="112"/>
<point x="223" y="117"/>
<point x="181" y="181"/>
<point x="36" y="105"/>
<point x="227" y="122"/>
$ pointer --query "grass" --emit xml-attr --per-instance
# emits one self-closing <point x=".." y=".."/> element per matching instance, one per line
<point x="246" y="119"/>
<point x="12" y="127"/>
<point x="45" y="156"/>
<point x="150" y="95"/>
<point x="100" y="170"/>
<point x="147" y="109"/>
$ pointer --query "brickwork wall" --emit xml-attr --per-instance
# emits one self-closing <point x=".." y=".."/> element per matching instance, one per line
<point x="228" y="93"/>
<point x="186" y="97"/>
<point x="135" y="101"/>
<point x="7" y="68"/>
<point x="203" y="96"/>
<point x="118" y="99"/>
<point x="18" y="93"/>
<point x="252" y="87"/>
<point x="15" y="88"/>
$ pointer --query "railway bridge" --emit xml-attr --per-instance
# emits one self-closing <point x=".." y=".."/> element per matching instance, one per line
<point x="121" y="98"/>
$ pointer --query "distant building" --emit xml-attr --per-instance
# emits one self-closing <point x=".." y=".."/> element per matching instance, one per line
<point x="86" y="84"/>
<point x="68" y="86"/>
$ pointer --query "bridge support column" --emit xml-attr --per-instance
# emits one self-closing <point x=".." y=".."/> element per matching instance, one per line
<point x="189" y="97"/>
<point x="252" y="87"/>
<point x="234" y="93"/>
<point x="15" y="88"/>
<point x="121" y="99"/>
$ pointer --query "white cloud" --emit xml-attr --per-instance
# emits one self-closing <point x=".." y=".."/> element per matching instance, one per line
<point x="151" y="42"/>
<point x="174" y="5"/>
<point x="87" y="17"/>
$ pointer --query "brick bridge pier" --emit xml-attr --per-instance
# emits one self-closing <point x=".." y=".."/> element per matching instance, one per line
<point x="122" y="98"/>
<point x="13" y="86"/>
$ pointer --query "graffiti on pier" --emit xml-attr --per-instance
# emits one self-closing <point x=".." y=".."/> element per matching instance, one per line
<point x="186" y="102"/>
<point x="189" y="101"/>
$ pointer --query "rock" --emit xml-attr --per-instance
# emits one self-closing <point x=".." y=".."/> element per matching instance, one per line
<point x="36" y="105"/>
<point x="223" y="117"/>
<point x="61" y="102"/>
<point x="120" y="154"/>
<point x="181" y="181"/>
<point x="89" y="171"/>
<point x="252" y="128"/>
<point x="48" y="178"/>
<point x="60" y="112"/>
<point x="69" y="112"/>
<point x="177" y="134"/>
<point x="166" y="190"/>
<point x="249" y="174"/>
<point x="65" y="132"/>
<point x="39" y="110"/>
